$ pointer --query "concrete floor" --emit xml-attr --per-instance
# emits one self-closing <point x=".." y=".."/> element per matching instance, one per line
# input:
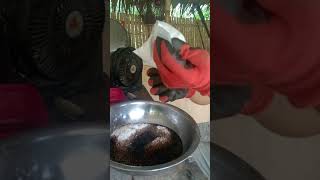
<point x="277" y="158"/>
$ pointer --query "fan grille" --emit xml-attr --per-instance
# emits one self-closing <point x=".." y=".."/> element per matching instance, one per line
<point x="63" y="35"/>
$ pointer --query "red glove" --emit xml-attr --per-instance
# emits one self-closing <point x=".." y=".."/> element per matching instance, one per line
<point x="181" y="66"/>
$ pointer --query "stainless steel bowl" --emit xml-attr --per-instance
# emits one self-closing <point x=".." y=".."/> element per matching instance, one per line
<point x="156" y="113"/>
<point x="64" y="153"/>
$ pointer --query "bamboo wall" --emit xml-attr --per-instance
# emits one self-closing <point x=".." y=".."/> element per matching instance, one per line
<point x="139" y="32"/>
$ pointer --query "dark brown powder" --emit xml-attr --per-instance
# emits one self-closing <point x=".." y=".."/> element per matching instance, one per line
<point x="145" y="145"/>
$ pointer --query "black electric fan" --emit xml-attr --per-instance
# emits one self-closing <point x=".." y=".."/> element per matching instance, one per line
<point x="125" y="66"/>
<point x="56" y="44"/>
<point x="126" y="69"/>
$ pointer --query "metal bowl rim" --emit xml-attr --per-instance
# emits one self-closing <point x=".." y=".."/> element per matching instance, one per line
<point x="164" y="166"/>
<point x="54" y="132"/>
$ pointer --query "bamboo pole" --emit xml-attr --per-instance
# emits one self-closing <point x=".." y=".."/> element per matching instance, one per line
<point x="167" y="10"/>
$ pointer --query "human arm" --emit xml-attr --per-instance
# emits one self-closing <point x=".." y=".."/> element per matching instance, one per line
<point x="282" y="118"/>
<point x="199" y="99"/>
<point x="271" y="109"/>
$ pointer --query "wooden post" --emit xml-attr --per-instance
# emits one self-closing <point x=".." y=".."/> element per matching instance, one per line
<point x="167" y="10"/>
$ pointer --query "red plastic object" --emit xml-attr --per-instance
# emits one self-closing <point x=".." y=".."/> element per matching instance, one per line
<point x="21" y="108"/>
<point x="116" y="95"/>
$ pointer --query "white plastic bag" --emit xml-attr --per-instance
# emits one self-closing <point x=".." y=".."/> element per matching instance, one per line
<point x="160" y="29"/>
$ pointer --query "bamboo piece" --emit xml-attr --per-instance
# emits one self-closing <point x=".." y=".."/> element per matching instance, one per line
<point x="167" y="10"/>
<point x="140" y="33"/>
<point x="135" y="31"/>
<point x="130" y="29"/>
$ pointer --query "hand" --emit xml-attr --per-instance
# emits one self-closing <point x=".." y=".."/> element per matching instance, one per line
<point x="229" y="100"/>
<point x="165" y="94"/>
<point x="182" y="67"/>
